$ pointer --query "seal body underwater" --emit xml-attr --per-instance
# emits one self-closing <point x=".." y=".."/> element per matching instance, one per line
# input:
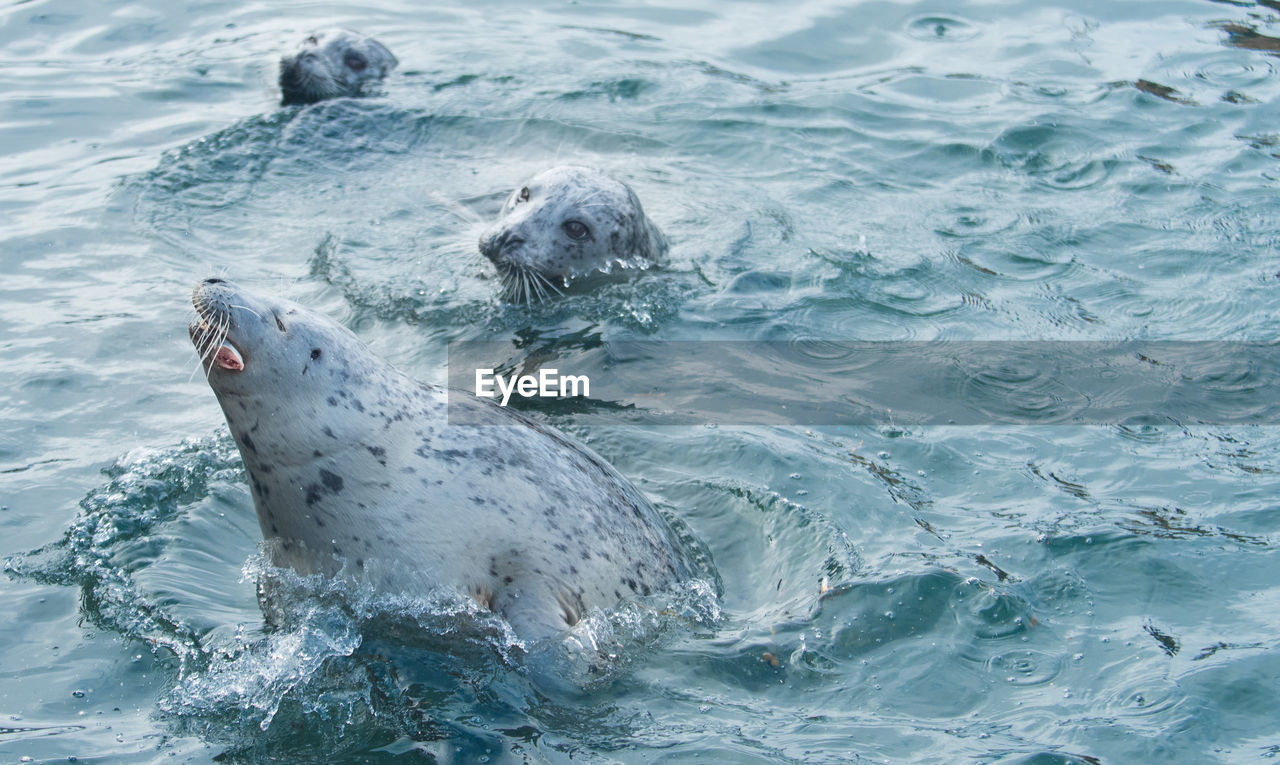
<point x="356" y="471"/>
<point x="333" y="63"/>
<point x="567" y="223"/>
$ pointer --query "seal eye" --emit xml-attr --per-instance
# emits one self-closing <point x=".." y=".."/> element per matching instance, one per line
<point x="356" y="62"/>
<point x="315" y="353"/>
<point x="576" y="229"/>
<point x="523" y="196"/>
<point x="279" y="323"/>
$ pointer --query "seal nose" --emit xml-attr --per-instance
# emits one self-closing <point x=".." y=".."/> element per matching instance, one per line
<point x="494" y="247"/>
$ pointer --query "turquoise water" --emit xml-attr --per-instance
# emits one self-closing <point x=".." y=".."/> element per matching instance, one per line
<point x="863" y="171"/>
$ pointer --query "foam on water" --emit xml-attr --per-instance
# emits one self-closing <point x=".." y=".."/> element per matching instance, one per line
<point x="335" y="663"/>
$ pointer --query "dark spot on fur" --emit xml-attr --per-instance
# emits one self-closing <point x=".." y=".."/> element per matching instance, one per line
<point x="331" y="481"/>
<point x="313" y="494"/>
<point x="248" y="443"/>
<point x="332" y="401"/>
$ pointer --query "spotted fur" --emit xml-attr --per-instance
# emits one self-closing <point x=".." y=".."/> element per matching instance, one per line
<point x="358" y="470"/>
<point x="567" y="223"/>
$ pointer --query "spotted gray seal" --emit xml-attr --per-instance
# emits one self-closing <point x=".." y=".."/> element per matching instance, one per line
<point x="566" y="223"/>
<point x="356" y="471"/>
<point x="332" y="63"/>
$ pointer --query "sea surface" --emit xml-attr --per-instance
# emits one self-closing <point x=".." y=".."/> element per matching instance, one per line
<point x="858" y="171"/>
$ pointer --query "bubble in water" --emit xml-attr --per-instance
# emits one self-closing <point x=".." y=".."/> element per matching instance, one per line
<point x="941" y="28"/>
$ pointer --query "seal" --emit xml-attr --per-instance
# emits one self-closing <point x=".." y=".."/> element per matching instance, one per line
<point x="333" y="63"/>
<point x="567" y="223"/>
<point x="358" y="471"/>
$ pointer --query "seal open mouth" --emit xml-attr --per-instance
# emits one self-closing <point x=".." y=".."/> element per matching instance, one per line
<point x="209" y="334"/>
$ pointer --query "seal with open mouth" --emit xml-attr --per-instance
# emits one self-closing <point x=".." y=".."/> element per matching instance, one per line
<point x="356" y="471"/>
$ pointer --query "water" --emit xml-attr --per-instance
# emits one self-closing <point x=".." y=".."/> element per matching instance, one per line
<point x="870" y="171"/>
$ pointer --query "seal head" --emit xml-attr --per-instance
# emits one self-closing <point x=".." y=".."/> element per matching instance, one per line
<point x="333" y="63"/>
<point x="565" y="224"/>
<point x="358" y="471"/>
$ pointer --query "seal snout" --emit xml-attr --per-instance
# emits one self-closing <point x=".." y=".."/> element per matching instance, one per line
<point x="208" y="331"/>
<point x="499" y="246"/>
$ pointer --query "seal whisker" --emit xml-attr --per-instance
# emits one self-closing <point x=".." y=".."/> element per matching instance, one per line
<point x="520" y="284"/>
<point x="549" y="283"/>
<point x="541" y="293"/>
<point x="247" y="308"/>
<point x="215" y="339"/>
<point x="202" y="351"/>
<point x="528" y="287"/>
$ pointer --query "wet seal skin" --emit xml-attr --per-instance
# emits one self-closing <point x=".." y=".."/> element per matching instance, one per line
<point x="565" y="224"/>
<point x="332" y="63"/>
<point x="356" y="473"/>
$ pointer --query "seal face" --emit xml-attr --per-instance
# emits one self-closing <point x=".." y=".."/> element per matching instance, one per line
<point x="356" y="472"/>
<point x="333" y="63"/>
<point x="567" y="223"/>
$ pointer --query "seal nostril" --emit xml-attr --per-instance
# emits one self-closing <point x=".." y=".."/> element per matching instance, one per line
<point x="492" y="247"/>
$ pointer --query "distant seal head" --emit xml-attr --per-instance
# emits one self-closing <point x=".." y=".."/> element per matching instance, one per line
<point x="567" y="223"/>
<point x="333" y="63"/>
<point x="356" y="471"/>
